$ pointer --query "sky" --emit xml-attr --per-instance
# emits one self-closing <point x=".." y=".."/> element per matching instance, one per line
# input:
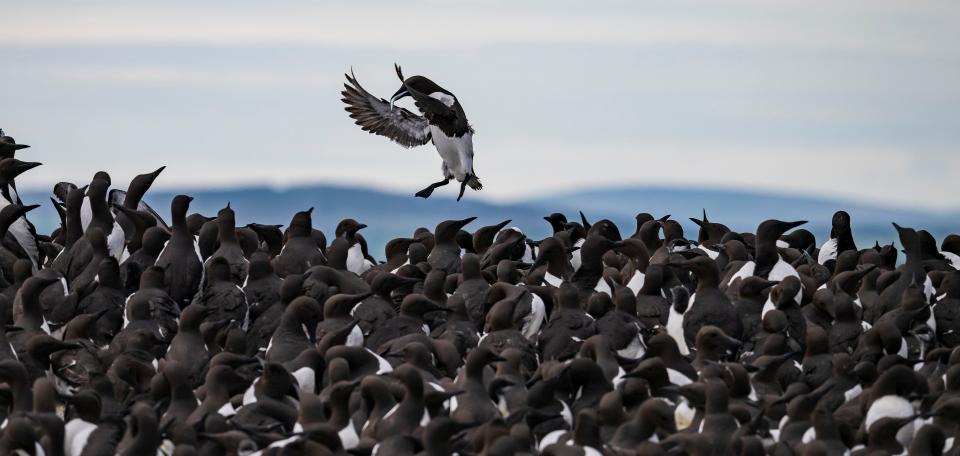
<point x="858" y="99"/>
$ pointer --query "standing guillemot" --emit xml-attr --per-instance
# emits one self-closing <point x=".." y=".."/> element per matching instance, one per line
<point x="841" y="238"/>
<point x="443" y="122"/>
<point x="23" y="233"/>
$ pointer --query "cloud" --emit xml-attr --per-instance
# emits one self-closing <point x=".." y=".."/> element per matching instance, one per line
<point x="177" y="75"/>
<point x="854" y="26"/>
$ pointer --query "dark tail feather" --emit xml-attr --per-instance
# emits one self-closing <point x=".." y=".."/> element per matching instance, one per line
<point x="474" y="183"/>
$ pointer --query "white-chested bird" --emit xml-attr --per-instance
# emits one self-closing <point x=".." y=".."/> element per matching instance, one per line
<point x="442" y="121"/>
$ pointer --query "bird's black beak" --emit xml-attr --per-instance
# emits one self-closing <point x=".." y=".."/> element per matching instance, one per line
<point x="398" y="95"/>
<point x="23" y="167"/>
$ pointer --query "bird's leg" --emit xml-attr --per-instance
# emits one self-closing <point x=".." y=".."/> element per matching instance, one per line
<point x="463" y="186"/>
<point x="425" y="193"/>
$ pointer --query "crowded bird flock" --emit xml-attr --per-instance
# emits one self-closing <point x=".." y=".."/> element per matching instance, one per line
<point x="135" y="330"/>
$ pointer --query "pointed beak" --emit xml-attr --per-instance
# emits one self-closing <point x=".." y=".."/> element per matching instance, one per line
<point x="24" y="209"/>
<point x="27" y="166"/>
<point x="465" y="222"/>
<point x="361" y="226"/>
<point x="398" y="95"/>
<point x="791" y="225"/>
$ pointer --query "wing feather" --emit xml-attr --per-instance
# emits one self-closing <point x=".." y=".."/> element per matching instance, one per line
<point x="374" y="115"/>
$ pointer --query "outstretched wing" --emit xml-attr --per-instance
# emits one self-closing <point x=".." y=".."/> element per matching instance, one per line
<point x="374" y="115"/>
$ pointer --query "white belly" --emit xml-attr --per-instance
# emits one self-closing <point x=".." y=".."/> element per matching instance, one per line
<point x="534" y="320"/>
<point x="457" y="153"/>
<point x="636" y="282"/>
<point x="356" y="262"/>
<point x="675" y="330"/>
<point x="116" y="241"/>
<point x="575" y="256"/>
<point x="828" y="251"/>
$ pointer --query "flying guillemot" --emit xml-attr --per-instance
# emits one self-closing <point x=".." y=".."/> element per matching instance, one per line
<point x="442" y="122"/>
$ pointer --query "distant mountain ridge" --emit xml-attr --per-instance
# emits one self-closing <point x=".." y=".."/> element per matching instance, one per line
<point x="391" y="215"/>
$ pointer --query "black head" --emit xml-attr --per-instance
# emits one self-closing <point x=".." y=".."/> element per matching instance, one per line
<point x="10" y="168"/>
<point x="482" y="356"/>
<point x="180" y="205"/>
<point x="951" y="244"/>
<point x="98" y="188"/>
<point x="227" y="217"/>
<point x="771" y="230"/>
<point x="8" y="145"/>
<point x="152" y="277"/>
<point x="556" y="221"/>
<point x="12" y="212"/>
<point x="841" y="221"/>
<point x="709" y="232"/>
<point x="447" y="230"/>
<point x="415" y="304"/>
<point x="154" y="239"/>
<point x="348" y="227"/>
<point x="712" y="339"/>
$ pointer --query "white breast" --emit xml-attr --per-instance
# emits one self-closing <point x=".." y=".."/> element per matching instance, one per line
<point x="828" y="251"/>
<point x="683" y="415"/>
<point x="952" y="258"/>
<point x="603" y="287"/>
<point x="385" y="366"/>
<point x="767" y="306"/>
<point x="116" y="241"/>
<point x="745" y="271"/>
<point x="307" y="379"/>
<point x="713" y="254"/>
<point x="348" y="436"/>
<point x="86" y="214"/>
<point x="636" y="282"/>
<point x="552" y="279"/>
<point x="852" y="393"/>
<point x="782" y="270"/>
<point x="575" y="256"/>
<point x="534" y="320"/>
<point x="355" y="338"/>
<point x="889" y="406"/>
<point x="551" y="438"/>
<point x="457" y="153"/>
<point x="675" y="330"/>
<point x="76" y="433"/>
<point x="634" y="350"/>
<point x="677" y="378"/>
<point x="227" y="410"/>
<point x="356" y="262"/>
